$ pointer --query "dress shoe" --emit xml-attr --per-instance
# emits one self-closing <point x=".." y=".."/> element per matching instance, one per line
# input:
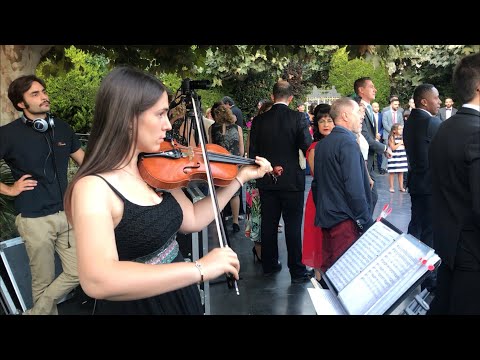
<point x="275" y="269"/>
<point x="236" y="227"/>
<point x="305" y="277"/>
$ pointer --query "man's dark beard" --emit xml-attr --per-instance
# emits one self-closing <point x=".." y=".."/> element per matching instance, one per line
<point x="27" y="107"/>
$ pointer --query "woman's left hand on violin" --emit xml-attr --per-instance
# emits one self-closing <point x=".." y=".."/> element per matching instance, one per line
<point x="250" y="172"/>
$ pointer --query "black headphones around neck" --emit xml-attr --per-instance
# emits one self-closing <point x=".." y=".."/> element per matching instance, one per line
<point x="40" y="125"/>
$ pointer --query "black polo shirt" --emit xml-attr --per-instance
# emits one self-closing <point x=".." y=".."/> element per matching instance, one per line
<point x="27" y="151"/>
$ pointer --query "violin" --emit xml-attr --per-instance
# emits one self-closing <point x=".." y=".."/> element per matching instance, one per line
<point x="175" y="166"/>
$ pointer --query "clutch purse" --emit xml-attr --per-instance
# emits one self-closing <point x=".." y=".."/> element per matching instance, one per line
<point x="301" y="160"/>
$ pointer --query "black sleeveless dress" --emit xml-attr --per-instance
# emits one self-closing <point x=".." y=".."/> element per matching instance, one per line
<point x="147" y="234"/>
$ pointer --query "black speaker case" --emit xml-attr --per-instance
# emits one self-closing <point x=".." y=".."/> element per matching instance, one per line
<point x="15" y="273"/>
<point x="16" y="278"/>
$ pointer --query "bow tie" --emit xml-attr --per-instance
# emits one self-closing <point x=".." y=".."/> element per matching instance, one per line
<point x="448" y="109"/>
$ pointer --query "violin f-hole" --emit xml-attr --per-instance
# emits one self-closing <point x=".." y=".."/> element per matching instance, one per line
<point x="188" y="169"/>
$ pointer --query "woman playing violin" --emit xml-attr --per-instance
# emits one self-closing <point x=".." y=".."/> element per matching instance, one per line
<point x="122" y="225"/>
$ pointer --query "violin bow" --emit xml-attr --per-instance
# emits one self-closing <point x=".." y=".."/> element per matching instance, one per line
<point x="231" y="281"/>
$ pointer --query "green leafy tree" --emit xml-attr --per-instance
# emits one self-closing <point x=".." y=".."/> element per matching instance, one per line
<point x="171" y="80"/>
<point x="216" y="62"/>
<point x="412" y="65"/>
<point x="72" y="84"/>
<point x="212" y="95"/>
<point x="208" y="97"/>
<point x="344" y="72"/>
<point x="255" y="87"/>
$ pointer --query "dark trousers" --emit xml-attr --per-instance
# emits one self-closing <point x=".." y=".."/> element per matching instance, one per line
<point x="420" y="226"/>
<point x="458" y="290"/>
<point x="288" y="204"/>
<point x="371" y="172"/>
<point x="379" y="161"/>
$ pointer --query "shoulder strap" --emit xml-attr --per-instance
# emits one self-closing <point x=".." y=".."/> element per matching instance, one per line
<point x="111" y="187"/>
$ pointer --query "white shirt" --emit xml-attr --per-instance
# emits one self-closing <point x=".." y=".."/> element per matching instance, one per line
<point x="375" y="115"/>
<point x="363" y="146"/>
<point x="428" y="112"/>
<point x="448" y="113"/>
<point x="472" y="106"/>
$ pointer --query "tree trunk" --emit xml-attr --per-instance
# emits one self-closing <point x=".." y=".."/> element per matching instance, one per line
<point x="15" y="61"/>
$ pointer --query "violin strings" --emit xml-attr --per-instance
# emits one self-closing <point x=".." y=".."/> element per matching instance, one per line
<point x="232" y="159"/>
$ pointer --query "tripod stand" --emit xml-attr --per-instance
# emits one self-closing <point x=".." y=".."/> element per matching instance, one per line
<point x="192" y="102"/>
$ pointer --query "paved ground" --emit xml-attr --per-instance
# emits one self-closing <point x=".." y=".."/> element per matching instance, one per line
<point x="276" y="295"/>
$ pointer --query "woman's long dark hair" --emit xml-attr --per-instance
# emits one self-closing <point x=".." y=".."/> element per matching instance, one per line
<point x="320" y="111"/>
<point x="124" y="94"/>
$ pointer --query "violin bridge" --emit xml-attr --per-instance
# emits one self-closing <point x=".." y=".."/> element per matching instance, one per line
<point x="190" y="153"/>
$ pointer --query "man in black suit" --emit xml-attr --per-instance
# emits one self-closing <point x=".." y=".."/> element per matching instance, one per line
<point x="419" y="131"/>
<point x="455" y="163"/>
<point x="448" y="110"/>
<point x="278" y="134"/>
<point x="228" y="101"/>
<point x="365" y="89"/>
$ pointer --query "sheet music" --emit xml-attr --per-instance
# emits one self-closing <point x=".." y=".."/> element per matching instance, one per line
<point x="401" y="288"/>
<point x="325" y="302"/>
<point x="396" y="267"/>
<point x="369" y="246"/>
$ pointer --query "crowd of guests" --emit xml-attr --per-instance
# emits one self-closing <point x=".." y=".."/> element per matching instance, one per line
<point x="109" y="226"/>
<point x="350" y="141"/>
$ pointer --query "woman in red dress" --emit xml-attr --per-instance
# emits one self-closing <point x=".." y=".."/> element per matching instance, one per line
<point x="312" y="235"/>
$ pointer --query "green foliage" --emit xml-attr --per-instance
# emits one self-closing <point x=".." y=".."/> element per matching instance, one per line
<point x="171" y="80"/>
<point x="344" y="72"/>
<point x="293" y="73"/>
<point x="7" y="212"/>
<point x="247" y="93"/>
<point x="208" y="97"/>
<point x="316" y="64"/>
<point x="212" y="95"/>
<point x="72" y="84"/>
<point x="237" y="61"/>
<point x="216" y="62"/>
<point x="417" y="64"/>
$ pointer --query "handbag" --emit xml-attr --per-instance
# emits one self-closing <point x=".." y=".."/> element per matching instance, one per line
<point x="301" y="160"/>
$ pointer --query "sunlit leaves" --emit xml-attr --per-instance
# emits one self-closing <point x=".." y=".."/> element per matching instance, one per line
<point x="411" y="65"/>
<point x="72" y="85"/>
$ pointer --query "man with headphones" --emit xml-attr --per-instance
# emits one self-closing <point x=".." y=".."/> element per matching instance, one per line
<point x="37" y="149"/>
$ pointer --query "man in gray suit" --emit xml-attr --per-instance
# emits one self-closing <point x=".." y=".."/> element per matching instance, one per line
<point x="387" y="108"/>
<point x="365" y="89"/>
<point x="390" y="117"/>
<point x="448" y="110"/>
